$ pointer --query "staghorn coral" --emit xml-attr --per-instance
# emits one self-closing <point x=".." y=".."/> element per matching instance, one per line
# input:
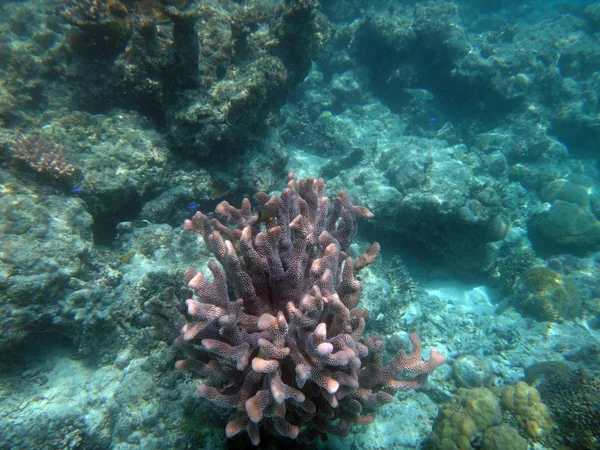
<point x="41" y="155"/>
<point x="288" y="355"/>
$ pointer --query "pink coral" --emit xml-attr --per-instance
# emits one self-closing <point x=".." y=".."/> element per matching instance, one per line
<point x="42" y="155"/>
<point x="288" y="355"/>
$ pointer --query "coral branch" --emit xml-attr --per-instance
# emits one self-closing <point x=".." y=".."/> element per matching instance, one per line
<point x="290" y="349"/>
<point x="42" y="155"/>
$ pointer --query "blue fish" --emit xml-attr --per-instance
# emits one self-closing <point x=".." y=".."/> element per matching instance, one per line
<point x="192" y="207"/>
<point x="432" y="121"/>
<point x="76" y="191"/>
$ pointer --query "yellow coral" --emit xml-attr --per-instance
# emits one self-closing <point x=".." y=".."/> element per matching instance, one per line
<point x="524" y="403"/>
<point x="503" y="437"/>
<point x="465" y="415"/>
<point x="546" y="295"/>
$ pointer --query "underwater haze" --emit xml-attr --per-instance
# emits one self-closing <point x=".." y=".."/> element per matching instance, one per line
<point x="299" y="224"/>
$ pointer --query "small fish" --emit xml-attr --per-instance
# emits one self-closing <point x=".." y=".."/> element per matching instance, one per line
<point x="432" y="121"/>
<point x="140" y="224"/>
<point x="76" y="191"/>
<point x="219" y="189"/>
<point x="126" y="257"/>
<point x="192" y="207"/>
<point x="265" y="214"/>
<point x="419" y="94"/>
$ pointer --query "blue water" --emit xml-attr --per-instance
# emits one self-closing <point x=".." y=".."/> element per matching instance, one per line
<point x="263" y="224"/>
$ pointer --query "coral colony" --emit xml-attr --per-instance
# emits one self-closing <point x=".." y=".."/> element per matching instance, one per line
<point x="288" y="355"/>
<point x="42" y="155"/>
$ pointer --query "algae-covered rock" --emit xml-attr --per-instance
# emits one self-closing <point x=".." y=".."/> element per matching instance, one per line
<point x="472" y="371"/>
<point x="45" y="239"/>
<point x="567" y="191"/>
<point x="546" y="295"/>
<point x="567" y="224"/>
<point x="540" y="370"/>
<point x="592" y="12"/>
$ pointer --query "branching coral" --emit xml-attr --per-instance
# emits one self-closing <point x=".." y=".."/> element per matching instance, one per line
<point x="288" y="355"/>
<point x="42" y="155"/>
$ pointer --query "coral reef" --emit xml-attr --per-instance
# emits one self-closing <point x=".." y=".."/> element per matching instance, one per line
<point x="439" y="198"/>
<point x="215" y="76"/>
<point x="288" y="354"/>
<point x="257" y="68"/>
<point x="103" y="24"/>
<point x="470" y="130"/>
<point x="418" y="49"/>
<point x="211" y="74"/>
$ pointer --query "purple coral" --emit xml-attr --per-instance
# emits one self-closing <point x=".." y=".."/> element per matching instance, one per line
<point x="288" y="355"/>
